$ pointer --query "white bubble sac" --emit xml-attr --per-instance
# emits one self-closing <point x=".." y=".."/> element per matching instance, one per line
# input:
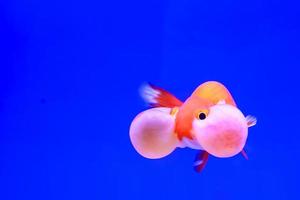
<point x="152" y="133"/>
<point x="223" y="133"/>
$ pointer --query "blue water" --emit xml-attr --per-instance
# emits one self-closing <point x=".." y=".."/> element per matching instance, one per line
<point x="69" y="78"/>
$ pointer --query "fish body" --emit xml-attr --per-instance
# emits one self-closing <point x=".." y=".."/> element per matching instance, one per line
<point x="208" y="120"/>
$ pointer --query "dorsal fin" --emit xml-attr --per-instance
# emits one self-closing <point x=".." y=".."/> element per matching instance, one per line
<point x="214" y="92"/>
<point x="158" y="97"/>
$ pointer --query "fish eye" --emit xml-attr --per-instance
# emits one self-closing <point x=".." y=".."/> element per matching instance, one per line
<point x="202" y="116"/>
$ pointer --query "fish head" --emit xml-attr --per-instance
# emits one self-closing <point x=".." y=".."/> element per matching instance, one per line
<point x="221" y="130"/>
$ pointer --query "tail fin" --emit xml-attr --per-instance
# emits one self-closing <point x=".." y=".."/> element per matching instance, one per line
<point x="158" y="97"/>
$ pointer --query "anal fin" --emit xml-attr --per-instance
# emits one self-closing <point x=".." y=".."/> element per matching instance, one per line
<point x="201" y="161"/>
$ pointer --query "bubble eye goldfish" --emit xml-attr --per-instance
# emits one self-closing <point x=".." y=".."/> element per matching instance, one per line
<point x="208" y="121"/>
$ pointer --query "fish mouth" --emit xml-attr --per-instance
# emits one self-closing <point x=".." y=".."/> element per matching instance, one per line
<point x="225" y="132"/>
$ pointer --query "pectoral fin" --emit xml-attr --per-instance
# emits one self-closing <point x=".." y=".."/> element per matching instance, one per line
<point x="251" y="120"/>
<point x="152" y="133"/>
<point x="243" y="152"/>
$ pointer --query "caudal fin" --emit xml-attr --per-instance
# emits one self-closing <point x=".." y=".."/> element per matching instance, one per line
<point x="158" y="97"/>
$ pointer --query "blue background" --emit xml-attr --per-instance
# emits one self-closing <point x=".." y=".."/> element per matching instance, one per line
<point x="69" y="78"/>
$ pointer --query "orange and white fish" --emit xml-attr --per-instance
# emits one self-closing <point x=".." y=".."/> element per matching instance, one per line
<point x="208" y="120"/>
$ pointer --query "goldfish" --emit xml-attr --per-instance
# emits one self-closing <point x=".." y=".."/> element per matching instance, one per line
<point x="208" y="121"/>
